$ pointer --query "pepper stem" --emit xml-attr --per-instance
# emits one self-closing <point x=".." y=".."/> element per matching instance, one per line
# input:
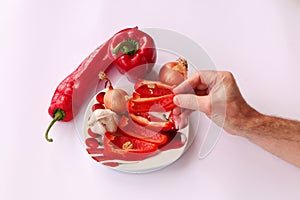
<point x="128" y="46"/>
<point x="58" y="115"/>
<point x="103" y="76"/>
<point x="168" y="119"/>
<point x="183" y="62"/>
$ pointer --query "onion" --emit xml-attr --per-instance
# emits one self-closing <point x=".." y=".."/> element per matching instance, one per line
<point x="173" y="73"/>
<point x="114" y="99"/>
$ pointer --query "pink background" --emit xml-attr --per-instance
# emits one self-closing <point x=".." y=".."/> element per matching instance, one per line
<point x="42" y="41"/>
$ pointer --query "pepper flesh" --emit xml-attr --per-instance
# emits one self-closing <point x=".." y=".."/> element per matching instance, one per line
<point x="135" y="130"/>
<point x="113" y="148"/>
<point x="152" y="122"/>
<point x="152" y="104"/>
<point x="147" y="88"/>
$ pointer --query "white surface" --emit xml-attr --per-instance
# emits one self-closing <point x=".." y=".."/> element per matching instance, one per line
<point x="43" y="41"/>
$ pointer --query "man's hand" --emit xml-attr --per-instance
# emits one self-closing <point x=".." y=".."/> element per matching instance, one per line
<point x="217" y="95"/>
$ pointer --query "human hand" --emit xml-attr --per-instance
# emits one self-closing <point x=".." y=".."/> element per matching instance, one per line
<point x="216" y="94"/>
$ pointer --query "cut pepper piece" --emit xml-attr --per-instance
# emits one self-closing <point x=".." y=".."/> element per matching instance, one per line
<point x="148" y="88"/>
<point x="153" y="122"/>
<point x="137" y="131"/>
<point x="152" y="104"/>
<point x="127" y="148"/>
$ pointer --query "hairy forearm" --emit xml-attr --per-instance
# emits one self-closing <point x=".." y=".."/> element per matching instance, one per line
<point x="279" y="136"/>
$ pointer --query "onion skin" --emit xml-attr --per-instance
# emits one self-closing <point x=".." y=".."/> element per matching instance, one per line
<point x="115" y="100"/>
<point x="173" y="73"/>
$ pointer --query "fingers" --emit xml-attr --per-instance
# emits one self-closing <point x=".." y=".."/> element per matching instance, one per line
<point x="182" y="119"/>
<point x="189" y="85"/>
<point x="193" y="102"/>
<point x="200" y="81"/>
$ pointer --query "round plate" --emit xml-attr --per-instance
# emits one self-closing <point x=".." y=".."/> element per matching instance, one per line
<point x="170" y="46"/>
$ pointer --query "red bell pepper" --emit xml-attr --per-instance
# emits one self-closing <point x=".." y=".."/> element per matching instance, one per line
<point x="134" y="53"/>
<point x="147" y="88"/>
<point x="152" y="104"/>
<point x="132" y="129"/>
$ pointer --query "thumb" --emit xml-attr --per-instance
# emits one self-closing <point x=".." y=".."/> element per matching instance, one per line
<point x="193" y="102"/>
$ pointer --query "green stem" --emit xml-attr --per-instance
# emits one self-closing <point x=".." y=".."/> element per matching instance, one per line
<point x="58" y="115"/>
<point x="128" y="46"/>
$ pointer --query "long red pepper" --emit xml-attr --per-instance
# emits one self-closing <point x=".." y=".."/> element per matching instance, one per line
<point x="79" y="83"/>
<point x="61" y="106"/>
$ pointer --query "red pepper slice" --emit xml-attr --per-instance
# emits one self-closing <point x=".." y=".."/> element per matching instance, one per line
<point x="135" y="130"/>
<point x="134" y="53"/>
<point x="151" y="104"/>
<point x="120" y="147"/>
<point x="95" y="151"/>
<point x="127" y="148"/>
<point x="147" y="88"/>
<point x="152" y="122"/>
<point x="175" y="140"/>
<point x="128" y="144"/>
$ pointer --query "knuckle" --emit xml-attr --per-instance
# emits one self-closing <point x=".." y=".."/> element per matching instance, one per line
<point x="226" y="75"/>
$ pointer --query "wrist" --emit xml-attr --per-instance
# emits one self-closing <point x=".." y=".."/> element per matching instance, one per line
<point x="244" y="122"/>
<point x="250" y="125"/>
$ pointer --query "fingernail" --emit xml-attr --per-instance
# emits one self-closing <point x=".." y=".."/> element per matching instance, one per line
<point x="176" y="100"/>
<point x="176" y="111"/>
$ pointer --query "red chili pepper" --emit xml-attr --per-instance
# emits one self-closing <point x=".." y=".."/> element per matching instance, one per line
<point x="61" y="103"/>
<point x="63" y="107"/>
<point x="152" y="104"/>
<point x="134" y="53"/>
<point x="147" y="88"/>
<point x="135" y="130"/>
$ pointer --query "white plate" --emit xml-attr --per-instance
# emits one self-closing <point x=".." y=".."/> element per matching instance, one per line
<point x="170" y="46"/>
<point x="163" y="158"/>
